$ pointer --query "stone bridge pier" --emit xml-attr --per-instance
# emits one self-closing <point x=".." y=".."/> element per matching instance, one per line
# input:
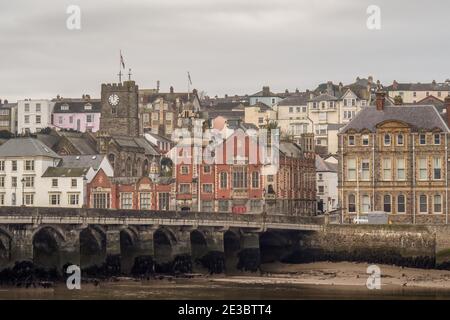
<point x="139" y="249"/>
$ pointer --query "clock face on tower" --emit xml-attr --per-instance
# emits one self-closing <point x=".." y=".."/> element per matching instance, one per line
<point x="113" y="99"/>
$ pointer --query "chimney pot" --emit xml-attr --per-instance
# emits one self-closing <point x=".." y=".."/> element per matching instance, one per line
<point x="171" y="89"/>
<point x="266" y="91"/>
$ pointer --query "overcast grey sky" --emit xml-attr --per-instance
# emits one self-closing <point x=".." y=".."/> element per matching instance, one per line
<point x="229" y="46"/>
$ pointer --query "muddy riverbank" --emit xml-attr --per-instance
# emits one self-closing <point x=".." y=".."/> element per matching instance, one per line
<point x="320" y="280"/>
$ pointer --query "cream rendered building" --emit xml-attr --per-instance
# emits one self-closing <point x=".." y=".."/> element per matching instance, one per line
<point x="259" y="114"/>
<point x="415" y="92"/>
<point x="292" y="116"/>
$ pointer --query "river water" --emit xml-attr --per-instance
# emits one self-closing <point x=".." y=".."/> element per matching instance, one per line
<point x="204" y="289"/>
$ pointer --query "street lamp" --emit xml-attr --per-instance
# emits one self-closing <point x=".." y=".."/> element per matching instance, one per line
<point x="23" y="196"/>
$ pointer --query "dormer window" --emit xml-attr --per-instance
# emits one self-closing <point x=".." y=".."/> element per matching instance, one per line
<point x="65" y="107"/>
<point x="88" y="107"/>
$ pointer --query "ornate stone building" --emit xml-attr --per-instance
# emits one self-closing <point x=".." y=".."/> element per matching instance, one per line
<point x="394" y="159"/>
<point x="161" y="113"/>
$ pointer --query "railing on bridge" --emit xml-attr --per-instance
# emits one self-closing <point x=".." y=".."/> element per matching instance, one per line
<point x="74" y="215"/>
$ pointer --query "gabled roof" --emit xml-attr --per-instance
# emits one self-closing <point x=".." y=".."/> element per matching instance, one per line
<point x="324" y="166"/>
<point x="82" y="161"/>
<point x="324" y="97"/>
<point x="65" y="172"/>
<point x="77" y="106"/>
<point x="140" y="143"/>
<point x="262" y="106"/>
<point x="80" y="142"/>
<point x="418" y="116"/>
<point x="433" y="86"/>
<point x="26" y="147"/>
<point x="290" y="149"/>
<point x="295" y="100"/>
<point x="263" y="93"/>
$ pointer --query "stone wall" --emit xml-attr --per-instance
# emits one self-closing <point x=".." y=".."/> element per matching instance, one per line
<point x="412" y="246"/>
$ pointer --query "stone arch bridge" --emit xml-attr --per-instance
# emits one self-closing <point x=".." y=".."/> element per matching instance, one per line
<point x="126" y="240"/>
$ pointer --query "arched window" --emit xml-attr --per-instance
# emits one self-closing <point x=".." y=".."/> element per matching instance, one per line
<point x="387" y="139"/>
<point x="351" y="203"/>
<point x="387" y="203"/>
<point x="401" y="204"/>
<point x="112" y="159"/>
<point x="145" y="168"/>
<point x="129" y="167"/>
<point x="223" y="180"/>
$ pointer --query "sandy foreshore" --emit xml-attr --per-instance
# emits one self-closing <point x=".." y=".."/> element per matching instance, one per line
<point x="343" y="274"/>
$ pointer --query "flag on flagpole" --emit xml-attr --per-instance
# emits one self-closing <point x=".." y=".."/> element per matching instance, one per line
<point x="189" y="77"/>
<point x="122" y="62"/>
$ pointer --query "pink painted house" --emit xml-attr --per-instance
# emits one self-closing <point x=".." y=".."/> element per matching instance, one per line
<point x="77" y="114"/>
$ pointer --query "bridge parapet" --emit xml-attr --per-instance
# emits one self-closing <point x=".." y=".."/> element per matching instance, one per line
<point x="47" y="215"/>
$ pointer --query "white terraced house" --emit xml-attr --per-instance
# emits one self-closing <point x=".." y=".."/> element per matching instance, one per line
<point x="30" y="176"/>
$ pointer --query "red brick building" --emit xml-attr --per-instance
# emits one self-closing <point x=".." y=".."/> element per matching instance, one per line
<point x="231" y="176"/>
<point x="128" y="193"/>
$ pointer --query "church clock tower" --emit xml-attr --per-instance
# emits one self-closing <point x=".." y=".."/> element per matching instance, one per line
<point x="120" y="113"/>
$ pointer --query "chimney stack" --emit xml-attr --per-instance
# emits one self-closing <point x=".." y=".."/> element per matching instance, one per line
<point x="157" y="86"/>
<point x="395" y="85"/>
<point x="171" y="89"/>
<point x="447" y="108"/>
<point x="380" y="95"/>
<point x="266" y="91"/>
<point x="330" y="88"/>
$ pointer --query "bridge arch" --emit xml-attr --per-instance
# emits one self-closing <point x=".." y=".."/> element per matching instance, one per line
<point x="5" y="247"/>
<point x="199" y="246"/>
<point x="47" y="242"/>
<point x="273" y="246"/>
<point x="129" y="245"/>
<point x="232" y="246"/>
<point x="92" y="246"/>
<point x="163" y="242"/>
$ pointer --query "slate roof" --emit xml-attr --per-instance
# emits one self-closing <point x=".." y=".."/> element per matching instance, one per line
<point x="140" y="142"/>
<point x="262" y="106"/>
<point x="65" y="172"/>
<point x="420" y="87"/>
<point x="77" y="106"/>
<point x="418" y="116"/>
<point x="324" y="166"/>
<point x="295" y="100"/>
<point x="26" y="147"/>
<point x="324" y="97"/>
<point x="82" y="144"/>
<point x="290" y="149"/>
<point x="82" y="161"/>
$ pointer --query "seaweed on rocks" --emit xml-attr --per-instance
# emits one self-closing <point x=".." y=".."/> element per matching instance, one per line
<point x="27" y="274"/>
<point x="182" y="264"/>
<point x="249" y="260"/>
<point x="214" y="261"/>
<point x="143" y="266"/>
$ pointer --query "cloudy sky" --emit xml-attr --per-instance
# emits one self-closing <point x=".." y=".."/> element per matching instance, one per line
<point x="229" y="46"/>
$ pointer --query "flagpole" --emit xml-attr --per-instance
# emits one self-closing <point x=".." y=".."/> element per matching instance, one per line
<point x="120" y="66"/>
<point x="189" y="87"/>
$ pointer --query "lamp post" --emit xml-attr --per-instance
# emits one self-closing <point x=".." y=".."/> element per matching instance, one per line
<point x="23" y="187"/>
